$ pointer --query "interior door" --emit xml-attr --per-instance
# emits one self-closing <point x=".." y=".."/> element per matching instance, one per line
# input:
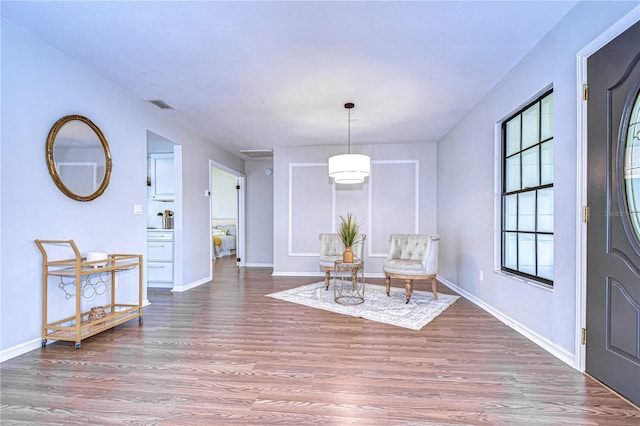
<point x="613" y="244"/>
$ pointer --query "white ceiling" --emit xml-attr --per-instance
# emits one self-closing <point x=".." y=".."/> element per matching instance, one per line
<point x="258" y="75"/>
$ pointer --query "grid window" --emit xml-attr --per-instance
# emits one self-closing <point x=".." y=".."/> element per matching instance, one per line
<point x="527" y="191"/>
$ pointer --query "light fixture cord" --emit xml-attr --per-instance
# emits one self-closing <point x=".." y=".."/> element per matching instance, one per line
<point x="349" y="134"/>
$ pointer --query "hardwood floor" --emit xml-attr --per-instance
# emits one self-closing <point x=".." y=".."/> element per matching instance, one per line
<point x="223" y="353"/>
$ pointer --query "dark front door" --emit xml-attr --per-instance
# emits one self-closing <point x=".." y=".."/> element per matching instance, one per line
<point x="613" y="232"/>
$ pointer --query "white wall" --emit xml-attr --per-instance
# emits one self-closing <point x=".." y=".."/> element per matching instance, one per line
<point x="40" y="85"/>
<point x="224" y="195"/>
<point x="398" y="197"/>
<point x="466" y="183"/>
<point x="259" y="212"/>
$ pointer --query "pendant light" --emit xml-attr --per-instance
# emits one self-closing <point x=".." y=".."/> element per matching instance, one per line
<point x="349" y="168"/>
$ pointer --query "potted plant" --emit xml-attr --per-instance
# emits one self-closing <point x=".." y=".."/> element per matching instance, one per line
<point x="348" y="232"/>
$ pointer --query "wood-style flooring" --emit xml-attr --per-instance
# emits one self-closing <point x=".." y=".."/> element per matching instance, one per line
<point x="223" y="353"/>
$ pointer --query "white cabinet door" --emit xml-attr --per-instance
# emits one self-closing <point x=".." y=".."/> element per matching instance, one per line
<point x="160" y="251"/>
<point x="159" y="272"/>
<point x="159" y="258"/>
<point x="162" y="177"/>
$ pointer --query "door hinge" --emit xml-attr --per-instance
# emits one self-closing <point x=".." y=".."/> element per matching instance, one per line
<point x="584" y="336"/>
<point x="237" y="186"/>
<point x="586" y="213"/>
<point x="585" y="92"/>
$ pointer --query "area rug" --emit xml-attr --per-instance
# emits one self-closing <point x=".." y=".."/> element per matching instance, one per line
<point x="377" y="306"/>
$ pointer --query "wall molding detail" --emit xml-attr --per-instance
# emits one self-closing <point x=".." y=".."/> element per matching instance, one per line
<point x="389" y="202"/>
<point x="290" y="250"/>
<point x="371" y="208"/>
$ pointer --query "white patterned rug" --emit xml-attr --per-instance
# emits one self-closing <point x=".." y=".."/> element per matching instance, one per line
<point x="377" y="306"/>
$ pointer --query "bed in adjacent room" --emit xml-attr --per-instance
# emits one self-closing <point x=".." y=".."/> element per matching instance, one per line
<point x="223" y="238"/>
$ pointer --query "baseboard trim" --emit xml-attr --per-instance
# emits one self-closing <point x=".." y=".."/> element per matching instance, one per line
<point x="189" y="286"/>
<point x="543" y="342"/>
<point x="21" y="349"/>
<point x="258" y="265"/>
<point x="154" y="284"/>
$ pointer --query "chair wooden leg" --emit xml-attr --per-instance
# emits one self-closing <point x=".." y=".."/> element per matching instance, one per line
<point x="327" y="277"/>
<point x="433" y="289"/>
<point x="408" y="285"/>
<point x="387" y="283"/>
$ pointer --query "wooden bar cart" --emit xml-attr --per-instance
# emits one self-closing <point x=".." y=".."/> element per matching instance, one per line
<point x="80" y="271"/>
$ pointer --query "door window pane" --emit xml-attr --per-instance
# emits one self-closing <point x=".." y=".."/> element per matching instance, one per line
<point x="632" y="167"/>
<point x="633" y="199"/>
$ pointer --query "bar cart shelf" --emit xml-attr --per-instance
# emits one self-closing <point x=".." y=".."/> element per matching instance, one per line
<point x="82" y="274"/>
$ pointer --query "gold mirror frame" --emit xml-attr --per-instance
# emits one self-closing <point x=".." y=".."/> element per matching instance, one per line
<point x="51" y="163"/>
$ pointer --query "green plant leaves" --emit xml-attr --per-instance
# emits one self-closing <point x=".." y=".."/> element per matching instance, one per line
<point x="348" y="230"/>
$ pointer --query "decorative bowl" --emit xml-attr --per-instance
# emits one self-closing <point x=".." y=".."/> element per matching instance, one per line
<point x="94" y="256"/>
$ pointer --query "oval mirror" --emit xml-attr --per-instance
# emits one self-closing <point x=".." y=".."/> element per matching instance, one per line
<point x="78" y="158"/>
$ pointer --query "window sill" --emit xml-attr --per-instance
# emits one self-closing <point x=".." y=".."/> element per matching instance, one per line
<point x="524" y="280"/>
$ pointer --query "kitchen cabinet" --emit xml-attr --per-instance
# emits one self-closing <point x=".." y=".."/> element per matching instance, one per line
<point x="162" y="177"/>
<point x="160" y="258"/>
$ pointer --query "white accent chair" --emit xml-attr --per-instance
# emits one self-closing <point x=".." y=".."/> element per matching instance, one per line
<point x="331" y="249"/>
<point x="412" y="257"/>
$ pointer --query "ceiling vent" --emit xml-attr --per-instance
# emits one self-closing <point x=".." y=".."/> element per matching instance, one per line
<point x="257" y="153"/>
<point x="160" y="104"/>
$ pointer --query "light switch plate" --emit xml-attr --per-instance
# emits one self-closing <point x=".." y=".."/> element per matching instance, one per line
<point x="137" y="209"/>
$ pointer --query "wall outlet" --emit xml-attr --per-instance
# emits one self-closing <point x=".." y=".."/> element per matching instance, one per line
<point x="481" y="276"/>
<point x="137" y="209"/>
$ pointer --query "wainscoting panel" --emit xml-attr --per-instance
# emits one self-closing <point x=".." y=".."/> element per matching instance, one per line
<point x="394" y="196"/>
<point x="353" y="199"/>
<point x="311" y="201"/>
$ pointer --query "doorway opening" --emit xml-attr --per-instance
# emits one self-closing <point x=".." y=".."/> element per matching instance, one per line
<point x="164" y="213"/>
<point x="226" y="212"/>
